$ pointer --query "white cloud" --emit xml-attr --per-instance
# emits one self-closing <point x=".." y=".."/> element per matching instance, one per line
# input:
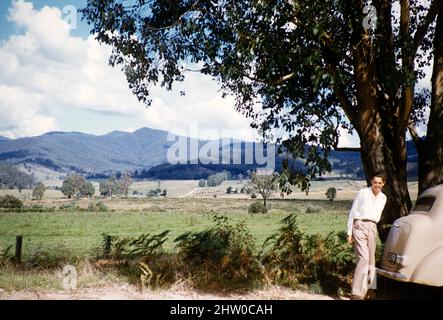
<point x="46" y="70"/>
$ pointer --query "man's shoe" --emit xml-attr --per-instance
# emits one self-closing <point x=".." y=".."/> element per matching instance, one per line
<point x="356" y="297"/>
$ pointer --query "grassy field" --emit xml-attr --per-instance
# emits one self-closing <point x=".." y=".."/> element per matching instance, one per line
<point x="78" y="233"/>
<point x="54" y="236"/>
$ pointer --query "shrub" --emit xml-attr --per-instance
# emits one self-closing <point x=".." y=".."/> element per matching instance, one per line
<point x="253" y="196"/>
<point x="143" y="257"/>
<point x="331" y="193"/>
<point x="229" y="190"/>
<point x="202" y="183"/>
<point x="222" y="256"/>
<point x="99" y="206"/>
<point x="257" y="207"/>
<point x="71" y="206"/>
<point x="313" y="209"/>
<point x="10" y="202"/>
<point x="6" y="255"/>
<point x="309" y="261"/>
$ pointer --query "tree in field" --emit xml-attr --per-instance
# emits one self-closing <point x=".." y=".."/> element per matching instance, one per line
<point x="264" y="184"/>
<point x="72" y="184"/>
<point x="310" y="68"/>
<point x="331" y="193"/>
<point x="111" y="187"/>
<point x="39" y="191"/>
<point x="126" y="181"/>
<point x="87" y="189"/>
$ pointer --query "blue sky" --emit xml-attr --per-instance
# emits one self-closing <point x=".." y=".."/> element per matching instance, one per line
<point x="53" y="77"/>
<point x="57" y="78"/>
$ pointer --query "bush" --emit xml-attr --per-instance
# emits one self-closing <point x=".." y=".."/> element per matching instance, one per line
<point x="99" y="206"/>
<point x="253" y="196"/>
<point x="220" y="257"/>
<point x="143" y="257"/>
<point x="313" y="209"/>
<point x="6" y="255"/>
<point x="257" y="207"/>
<point x="71" y="206"/>
<point x="10" y="202"/>
<point x="308" y="261"/>
<point x="331" y="193"/>
<point x="202" y="183"/>
<point x="229" y="190"/>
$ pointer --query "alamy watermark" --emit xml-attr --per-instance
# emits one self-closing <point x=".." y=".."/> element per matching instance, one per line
<point x="69" y="277"/>
<point x="220" y="148"/>
<point x="70" y="16"/>
<point x="370" y="20"/>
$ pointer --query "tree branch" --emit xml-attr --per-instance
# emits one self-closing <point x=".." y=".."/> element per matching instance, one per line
<point x="347" y="149"/>
<point x="415" y="137"/>
<point x="423" y="28"/>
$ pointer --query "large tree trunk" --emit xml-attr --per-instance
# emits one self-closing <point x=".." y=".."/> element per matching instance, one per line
<point x="383" y="145"/>
<point x="431" y="149"/>
<point x="377" y="155"/>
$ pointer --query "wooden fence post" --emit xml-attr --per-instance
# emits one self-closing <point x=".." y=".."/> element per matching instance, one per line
<point x="108" y="239"/>
<point x="18" y="249"/>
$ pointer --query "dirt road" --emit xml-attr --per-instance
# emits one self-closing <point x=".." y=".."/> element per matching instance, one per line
<point x="129" y="292"/>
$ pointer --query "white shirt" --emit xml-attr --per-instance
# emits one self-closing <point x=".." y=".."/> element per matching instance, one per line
<point x="366" y="206"/>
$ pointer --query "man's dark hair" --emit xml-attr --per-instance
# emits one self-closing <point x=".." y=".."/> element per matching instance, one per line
<point x="378" y="175"/>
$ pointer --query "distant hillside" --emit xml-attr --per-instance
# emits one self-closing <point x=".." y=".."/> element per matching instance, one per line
<point x="11" y="177"/>
<point x="145" y="153"/>
<point x="87" y="153"/>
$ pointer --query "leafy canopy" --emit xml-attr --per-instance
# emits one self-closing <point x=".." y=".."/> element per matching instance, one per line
<point x="288" y="63"/>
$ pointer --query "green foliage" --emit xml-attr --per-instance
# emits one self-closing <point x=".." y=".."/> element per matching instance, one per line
<point x="217" y="179"/>
<point x="6" y="256"/>
<point x="143" y="257"/>
<point x="310" y="208"/>
<point x="72" y="185"/>
<point x="155" y="193"/>
<point x="202" y="183"/>
<point x="331" y="193"/>
<point x="264" y="184"/>
<point x="222" y="256"/>
<point x="10" y="202"/>
<point x="298" y="260"/>
<point x="97" y="207"/>
<point x="38" y="191"/>
<point x="70" y="206"/>
<point x="87" y="189"/>
<point x="257" y="207"/>
<point x="111" y="187"/>
<point x="229" y="190"/>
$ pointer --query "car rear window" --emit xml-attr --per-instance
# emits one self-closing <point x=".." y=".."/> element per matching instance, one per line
<point x="424" y="204"/>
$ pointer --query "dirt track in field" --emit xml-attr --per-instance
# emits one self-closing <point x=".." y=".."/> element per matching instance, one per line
<point x="128" y="292"/>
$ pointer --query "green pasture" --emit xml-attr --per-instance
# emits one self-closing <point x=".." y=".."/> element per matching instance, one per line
<point x="78" y="233"/>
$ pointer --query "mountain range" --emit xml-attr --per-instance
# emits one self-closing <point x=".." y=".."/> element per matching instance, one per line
<point x="144" y="150"/>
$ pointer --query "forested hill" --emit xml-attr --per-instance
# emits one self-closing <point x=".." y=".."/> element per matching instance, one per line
<point x="144" y="150"/>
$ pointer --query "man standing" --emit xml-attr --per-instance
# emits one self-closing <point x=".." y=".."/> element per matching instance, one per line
<point x="362" y="231"/>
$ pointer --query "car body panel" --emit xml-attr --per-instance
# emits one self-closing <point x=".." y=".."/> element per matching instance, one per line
<point x="414" y="248"/>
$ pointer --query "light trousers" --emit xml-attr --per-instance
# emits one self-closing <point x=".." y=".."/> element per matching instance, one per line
<point x="364" y="234"/>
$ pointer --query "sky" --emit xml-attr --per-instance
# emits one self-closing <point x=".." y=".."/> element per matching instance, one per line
<point x="54" y="76"/>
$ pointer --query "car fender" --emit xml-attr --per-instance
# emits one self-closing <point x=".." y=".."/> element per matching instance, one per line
<point x="430" y="270"/>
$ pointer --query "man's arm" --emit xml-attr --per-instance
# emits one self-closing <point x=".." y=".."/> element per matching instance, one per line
<point x="354" y="207"/>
